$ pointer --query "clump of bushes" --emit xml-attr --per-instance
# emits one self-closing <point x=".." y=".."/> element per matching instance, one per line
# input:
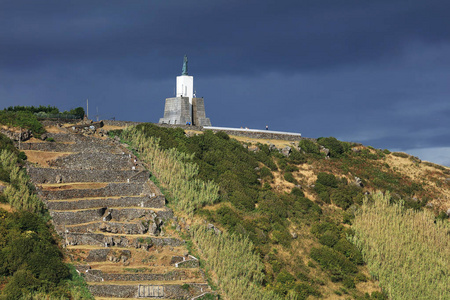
<point x="23" y="119"/>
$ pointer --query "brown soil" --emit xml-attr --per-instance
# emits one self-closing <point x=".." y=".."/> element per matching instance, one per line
<point x="42" y="158"/>
<point x="69" y="186"/>
<point x="112" y="127"/>
<point x="33" y="140"/>
<point x="54" y="129"/>
<point x="6" y="207"/>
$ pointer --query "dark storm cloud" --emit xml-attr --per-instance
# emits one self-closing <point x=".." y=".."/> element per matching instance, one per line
<point x="227" y="37"/>
<point x="375" y="72"/>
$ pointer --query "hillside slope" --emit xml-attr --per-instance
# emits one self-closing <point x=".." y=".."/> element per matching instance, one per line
<point x="297" y="207"/>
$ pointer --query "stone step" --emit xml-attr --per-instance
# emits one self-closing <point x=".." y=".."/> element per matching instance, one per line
<point x="94" y="160"/>
<point x="152" y="201"/>
<point x="108" y="214"/>
<point x="148" y="290"/>
<point x="50" y="175"/>
<point x="118" y="240"/>
<point x="107" y="190"/>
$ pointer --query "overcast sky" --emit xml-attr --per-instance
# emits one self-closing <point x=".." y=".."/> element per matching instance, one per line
<point x="375" y="72"/>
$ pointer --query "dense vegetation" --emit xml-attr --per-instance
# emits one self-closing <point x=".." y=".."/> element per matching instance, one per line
<point x="407" y="250"/>
<point x="31" y="265"/>
<point x="22" y="119"/>
<point x="44" y="112"/>
<point x="249" y="208"/>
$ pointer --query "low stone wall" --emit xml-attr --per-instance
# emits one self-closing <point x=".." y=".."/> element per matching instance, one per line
<point x="142" y="201"/>
<point x="63" y="137"/>
<point x="120" y="123"/>
<point x="168" y="291"/>
<point x="94" y="160"/>
<point x="99" y="239"/>
<point x="114" y="291"/>
<point x="113" y="227"/>
<point x="76" y="147"/>
<point x="49" y="175"/>
<point x="260" y="134"/>
<point x="91" y="215"/>
<point x="111" y="190"/>
<point x="99" y="276"/>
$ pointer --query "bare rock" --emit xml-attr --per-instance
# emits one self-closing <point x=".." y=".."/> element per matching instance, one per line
<point x="286" y="151"/>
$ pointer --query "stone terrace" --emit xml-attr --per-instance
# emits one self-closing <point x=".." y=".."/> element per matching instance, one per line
<point x="113" y="220"/>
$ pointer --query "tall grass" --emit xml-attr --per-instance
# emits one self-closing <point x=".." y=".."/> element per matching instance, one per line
<point x="231" y="257"/>
<point x="18" y="192"/>
<point x="406" y="250"/>
<point x="175" y="171"/>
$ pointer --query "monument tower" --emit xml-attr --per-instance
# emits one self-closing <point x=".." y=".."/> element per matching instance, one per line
<point x="185" y="108"/>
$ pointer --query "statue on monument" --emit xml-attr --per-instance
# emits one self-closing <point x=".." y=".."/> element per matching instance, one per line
<point x="184" y="71"/>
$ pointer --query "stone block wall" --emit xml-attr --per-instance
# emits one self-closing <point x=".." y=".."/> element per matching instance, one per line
<point x="142" y="201"/>
<point x="177" y="111"/>
<point x="198" y="113"/>
<point x="94" y="160"/>
<point x="97" y="275"/>
<point x="172" y="291"/>
<point x="91" y="215"/>
<point x="111" y="190"/>
<point x="99" y="239"/>
<point x="48" y="175"/>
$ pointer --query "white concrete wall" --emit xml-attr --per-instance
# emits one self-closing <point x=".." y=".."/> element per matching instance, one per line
<point x="185" y="87"/>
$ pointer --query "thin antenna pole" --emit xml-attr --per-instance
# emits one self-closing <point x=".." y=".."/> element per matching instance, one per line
<point x="97" y="113"/>
<point x="87" y="108"/>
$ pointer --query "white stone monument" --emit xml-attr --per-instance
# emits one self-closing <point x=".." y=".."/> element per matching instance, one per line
<point x="185" y="108"/>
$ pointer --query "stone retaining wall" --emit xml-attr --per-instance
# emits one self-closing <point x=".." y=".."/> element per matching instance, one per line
<point x="172" y="291"/>
<point x="111" y="190"/>
<point x="91" y="215"/>
<point x="117" y="228"/>
<point x="99" y="239"/>
<point x="143" y="201"/>
<point x="94" y="160"/>
<point x="99" y="276"/>
<point x="49" y="175"/>
<point x="121" y="123"/>
<point x="260" y="135"/>
<point x="77" y="147"/>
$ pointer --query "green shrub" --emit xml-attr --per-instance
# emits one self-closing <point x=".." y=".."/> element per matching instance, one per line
<point x="297" y="157"/>
<point x="334" y="262"/>
<point x="265" y="173"/>
<point x="289" y="177"/>
<point x="336" y="147"/>
<point x="327" y="179"/>
<point x="342" y="198"/>
<point x="400" y="154"/>
<point x="309" y="146"/>
<point x="285" y="277"/>
<point x="23" y="119"/>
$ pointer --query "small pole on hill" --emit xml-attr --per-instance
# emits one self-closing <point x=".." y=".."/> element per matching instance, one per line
<point x="87" y="108"/>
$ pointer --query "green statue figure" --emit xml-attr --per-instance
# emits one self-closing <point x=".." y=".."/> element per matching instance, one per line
<point x="184" y="71"/>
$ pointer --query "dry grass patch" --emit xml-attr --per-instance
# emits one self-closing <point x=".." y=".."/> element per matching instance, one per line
<point x="54" y="129"/>
<point x="6" y="207"/>
<point x="42" y="158"/>
<point x="70" y="186"/>
<point x="113" y="127"/>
